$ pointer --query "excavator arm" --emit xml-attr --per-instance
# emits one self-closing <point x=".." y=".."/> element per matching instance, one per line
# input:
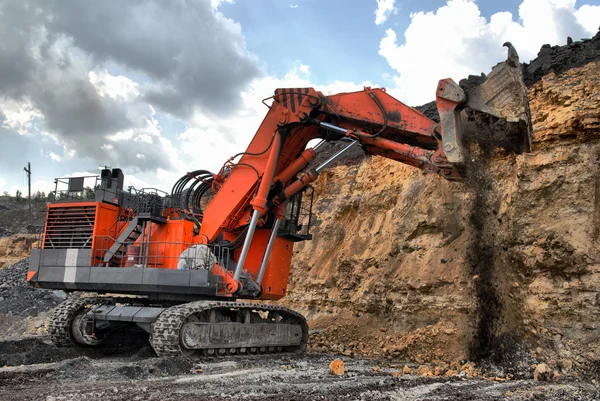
<point x="254" y="189"/>
<point x="372" y="119"/>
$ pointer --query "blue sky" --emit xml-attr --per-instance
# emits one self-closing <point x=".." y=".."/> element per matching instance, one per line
<point x="337" y="38"/>
<point x="163" y="88"/>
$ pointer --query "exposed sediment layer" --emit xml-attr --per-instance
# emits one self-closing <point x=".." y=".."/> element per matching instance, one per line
<point x="402" y="261"/>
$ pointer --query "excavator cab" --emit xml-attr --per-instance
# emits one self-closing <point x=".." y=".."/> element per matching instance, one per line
<point x="298" y="216"/>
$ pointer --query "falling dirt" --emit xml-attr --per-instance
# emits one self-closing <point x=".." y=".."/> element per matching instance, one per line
<point x="480" y="256"/>
<point x="596" y="161"/>
<point x="486" y="138"/>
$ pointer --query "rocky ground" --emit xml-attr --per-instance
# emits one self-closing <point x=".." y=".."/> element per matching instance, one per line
<point x="35" y="370"/>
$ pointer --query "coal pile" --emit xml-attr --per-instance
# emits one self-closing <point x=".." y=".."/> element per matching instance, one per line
<point x="557" y="59"/>
<point x="17" y="298"/>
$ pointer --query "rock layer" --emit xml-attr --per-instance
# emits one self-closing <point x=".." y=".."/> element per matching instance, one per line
<point x="15" y="247"/>
<point x="407" y="264"/>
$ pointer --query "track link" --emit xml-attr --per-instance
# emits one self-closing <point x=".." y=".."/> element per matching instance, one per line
<point x="165" y="331"/>
<point x="61" y="320"/>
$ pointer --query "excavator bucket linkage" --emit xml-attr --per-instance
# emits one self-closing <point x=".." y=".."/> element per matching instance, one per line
<point x="492" y="111"/>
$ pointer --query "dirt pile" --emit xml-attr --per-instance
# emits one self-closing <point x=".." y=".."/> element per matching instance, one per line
<point x="15" y="247"/>
<point x="23" y="309"/>
<point x="408" y="252"/>
<point x="557" y="59"/>
<point x="17" y="298"/>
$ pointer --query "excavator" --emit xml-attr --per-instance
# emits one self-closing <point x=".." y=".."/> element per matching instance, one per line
<point x="187" y="270"/>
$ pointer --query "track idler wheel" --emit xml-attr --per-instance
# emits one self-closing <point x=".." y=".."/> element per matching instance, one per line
<point x="66" y="322"/>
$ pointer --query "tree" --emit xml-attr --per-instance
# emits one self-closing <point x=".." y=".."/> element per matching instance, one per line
<point x="5" y="193"/>
<point x="18" y="195"/>
<point x="89" y="193"/>
<point x="51" y="196"/>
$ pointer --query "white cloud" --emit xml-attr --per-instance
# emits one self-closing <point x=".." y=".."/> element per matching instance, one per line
<point x="456" y="41"/>
<point x="216" y="3"/>
<point x="54" y="157"/>
<point x="589" y="17"/>
<point x="211" y="142"/>
<point x="116" y="87"/>
<point x="293" y="5"/>
<point x="19" y="116"/>
<point x="383" y="11"/>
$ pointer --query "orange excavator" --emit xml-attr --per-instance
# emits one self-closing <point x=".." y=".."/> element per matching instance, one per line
<point x="175" y="267"/>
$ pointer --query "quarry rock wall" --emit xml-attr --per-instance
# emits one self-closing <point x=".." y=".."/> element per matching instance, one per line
<point x="406" y="264"/>
<point x="15" y="247"/>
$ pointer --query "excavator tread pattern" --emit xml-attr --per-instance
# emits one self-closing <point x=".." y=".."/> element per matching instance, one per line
<point x="165" y="331"/>
<point x="59" y="327"/>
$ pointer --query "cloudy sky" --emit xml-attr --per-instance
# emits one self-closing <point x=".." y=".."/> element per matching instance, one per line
<point x="159" y="88"/>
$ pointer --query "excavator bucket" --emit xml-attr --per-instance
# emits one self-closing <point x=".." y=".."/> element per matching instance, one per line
<point x="492" y="111"/>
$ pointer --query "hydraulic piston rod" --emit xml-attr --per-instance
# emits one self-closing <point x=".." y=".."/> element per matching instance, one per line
<point x="246" y="247"/>
<point x="332" y="158"/>
<point x="265" y="261"/>
<point x="333" y="127"/>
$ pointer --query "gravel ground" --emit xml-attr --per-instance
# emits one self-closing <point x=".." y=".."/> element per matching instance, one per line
<point x="37" y="371"/>
<point x="17" y="298"/>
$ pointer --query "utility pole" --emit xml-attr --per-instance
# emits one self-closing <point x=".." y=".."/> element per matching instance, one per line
<point x="28" y="170"/>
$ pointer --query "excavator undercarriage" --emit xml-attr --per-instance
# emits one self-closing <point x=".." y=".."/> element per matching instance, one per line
<point x="212" y="328"/>
<point x="172" y="268"/>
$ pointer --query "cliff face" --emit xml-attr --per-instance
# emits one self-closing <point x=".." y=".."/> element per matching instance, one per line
<point x="408" y="265"/>
<point x="15" y="248"/>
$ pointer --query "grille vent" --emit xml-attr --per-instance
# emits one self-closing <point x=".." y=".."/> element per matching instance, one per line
<point x="70" y="227"/>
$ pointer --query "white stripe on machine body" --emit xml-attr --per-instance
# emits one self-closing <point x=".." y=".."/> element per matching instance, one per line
<point x="70" y="267"/>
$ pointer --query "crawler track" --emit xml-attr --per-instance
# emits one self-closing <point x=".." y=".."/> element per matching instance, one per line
<point x="61" y="322"/>
<point x="165" y="331"/>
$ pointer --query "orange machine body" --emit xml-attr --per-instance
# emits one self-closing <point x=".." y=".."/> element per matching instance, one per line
<point x="92" y="220"/>
<point x="167" y="242"/>
<point x="249" y="197"/>
<point x="278" y="267"/>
